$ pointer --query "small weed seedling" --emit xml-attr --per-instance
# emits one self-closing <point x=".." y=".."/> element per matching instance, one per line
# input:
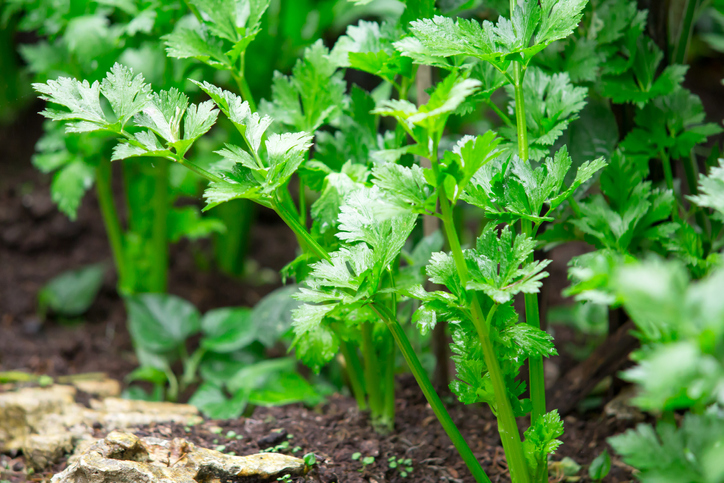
<point x="404" y="466"/>
<point x="366" y="460"/>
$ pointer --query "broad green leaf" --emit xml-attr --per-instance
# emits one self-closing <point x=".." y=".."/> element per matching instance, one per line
<point x="405" y="186"/>
<point x="273" y="314"/>
<point x="197" y="43"/>
<point x="256" y="375"/>
<point x="432" y="116"/>
<point x="70" y="184"/>
<point x="711" y="189"/>
<point x="163" y="114"/>
<point x="284" y="388"/>
<point x="127" y="94"/>
<point x="81" y="99"/>
<point x="250" y="125"/>
<point x="498" y="265"/>
<point x="368" y="217"/>
<point x="669" y="454"/>
<point x="199" y="119"/>
<point x="228" y="329"/>
<point x="144" y="143"/>
<point x="600" y="466"/>
<point x="213" y="403"/>
<point x="71" y="293"/>
<point x="312" y="96"/>
<point x="160" y="322"/>
<point x="314" y="343"/>
<point x="150" y="374"/>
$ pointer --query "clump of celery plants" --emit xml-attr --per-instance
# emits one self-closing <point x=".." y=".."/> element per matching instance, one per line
<point x="351" y="261"/>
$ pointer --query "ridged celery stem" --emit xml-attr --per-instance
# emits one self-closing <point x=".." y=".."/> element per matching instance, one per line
<point x="354" y="372"/>
<point x="110" y="219"/>
<point x="507" y="426"/>
<point x="403" y="343"/>
<point x="160" y="203"/>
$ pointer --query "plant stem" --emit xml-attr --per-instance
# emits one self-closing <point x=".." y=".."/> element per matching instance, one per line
<point x="389" y="383"/>
<point x="160" y="202"/>
<point x="305" y="239"/>
<point x="372" y="372"/>
<point x="532" y="316"/>
<point x="503" y="116"/>
<point x="535" y="364"/>
<point x="685" y="29"/>
<point x="666" y="164"/>
<point x="435" y="403"/>
<point x="430" y="224"/>
<point x="198" y="170"/>
<point x="111" y="221"/>
<point x="354" y="372"/>
<point x="302" y="204"/>
<point x="520" y="114"/>
<point x="243" y="85"/>
<point x="507" y="427"/>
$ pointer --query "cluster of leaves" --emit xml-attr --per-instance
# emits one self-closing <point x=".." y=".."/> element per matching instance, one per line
<point x="679" y="367"/>
<point x="230" y="357"/>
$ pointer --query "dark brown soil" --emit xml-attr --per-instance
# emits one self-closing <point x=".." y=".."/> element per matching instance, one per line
<point x="336" y="430"/>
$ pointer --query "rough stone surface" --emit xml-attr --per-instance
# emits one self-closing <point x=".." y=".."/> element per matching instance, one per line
<point x="46" y="423"/>
<point x="124" y="458"/>
<point x="43" y="450"/>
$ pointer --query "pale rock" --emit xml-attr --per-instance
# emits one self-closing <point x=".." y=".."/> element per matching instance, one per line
<point x="125" y="458"/>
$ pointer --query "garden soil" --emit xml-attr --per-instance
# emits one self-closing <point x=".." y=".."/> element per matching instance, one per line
<point x="38" y="243"/>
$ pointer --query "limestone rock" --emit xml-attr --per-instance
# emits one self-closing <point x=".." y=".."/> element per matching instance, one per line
<point x="123" y="457"/>
<point x="102" y="387"/>
<point x="43" y="450"/>
<point x="45" y="423"/>
<point x="23" y="412"/>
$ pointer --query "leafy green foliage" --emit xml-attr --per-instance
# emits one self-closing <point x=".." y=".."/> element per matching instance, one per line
<point x="552" y="103"/>
<point x="540" y="441"/>
<point x="230" y="353"/>
<point x="682" y="322"/>
<point x="265" y="383"/>
<point x="711" y="190"/>
<point x="82" y="100"/>
<point x="373" y="232"/>
<point x="498" y="265"/>
<point x="672" y="123"/>
<point x="511" y="189"/>
<point x="630" y="216"/>
<point x="499" y="269"/>
<point x="368" y="46"/>
<point x="246" y="173"/>
<point x="222" y="33"/>
<point x="432" y="116"/>
<point x="311" y="96"/>
<point x="71" y="294"/>
<point x="531" y="28"/>
<point x="600" y="466"/>
<point x="640" y="84"/>
<point x="691" y="452"/>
